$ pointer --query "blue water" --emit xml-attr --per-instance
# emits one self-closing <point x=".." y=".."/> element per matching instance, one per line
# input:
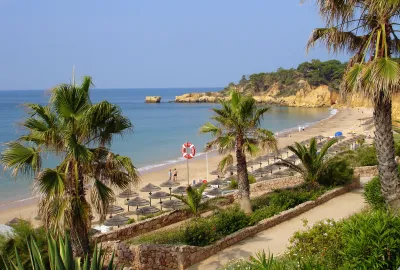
<point x="159" y="129"/>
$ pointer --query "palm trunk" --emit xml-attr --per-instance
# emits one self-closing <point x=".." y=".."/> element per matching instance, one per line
<point x="80" y="223"/>
<point x="384" y="142"/>
<point x="243" y="178"/>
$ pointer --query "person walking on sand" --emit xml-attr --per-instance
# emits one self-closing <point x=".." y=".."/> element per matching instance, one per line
<point x="169" y="175"/>
<point x="175" y="175"/>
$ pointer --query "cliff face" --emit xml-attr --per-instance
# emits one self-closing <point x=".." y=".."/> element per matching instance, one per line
<point x="306" y="96"/>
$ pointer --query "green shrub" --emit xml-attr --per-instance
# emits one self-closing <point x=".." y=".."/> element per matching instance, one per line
<point x="17" y="241"/>
<point x="230" y="220"/>
<point x="131" y="220"/>
<point x="338" y="172"/>
<point x="260" y="202"/>
<point x="371" y="240"/>
<point x="373" y="194"/>
<point x="200" y="232"/>
<point x="263" y="213"/>
<point x="367" y="156"/>
<point x="234" y="183"/>
<point x="169" y="236"/>
<point x="323" y="240"/>
<point x="397" y="149"/>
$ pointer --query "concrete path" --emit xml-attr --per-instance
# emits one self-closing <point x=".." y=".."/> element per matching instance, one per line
<point x="277" y="238"/>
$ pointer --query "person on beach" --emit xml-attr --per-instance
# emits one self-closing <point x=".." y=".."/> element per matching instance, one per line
<point x="169" y="175"/>
<point x="299" y="128"/>
<point x="175" y="175"/>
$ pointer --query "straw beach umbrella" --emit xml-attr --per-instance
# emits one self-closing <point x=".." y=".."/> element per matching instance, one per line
<point x="114" y="209"/>
<point x="15" y="221"/>
<point x="117" y="220"/>
<point x="179" y="190"/>
<point x="137" y="201"/>
<point x="128" y="193"/>
<point x="216" y="182"/>
<point x="159" y="195"/>
<point x="214" y="192"/>
<point x="170" y="184"/>
<point x="173" y="204"/>
<point x="147" y="210"/>
<point x="150" y="188"/>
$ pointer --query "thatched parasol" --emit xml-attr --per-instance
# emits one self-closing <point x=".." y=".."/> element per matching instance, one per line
<point x="173" y="204"/>
<point x="128" y="193"/>
<point x="169" y="184"/>
<point x="179" y="190"/>
<point x="216" y="182"/>
<point x="114" y="209"/>
<point x="159" y="195"/>
<point x="15" y="221"/>
<point x="117" y="220"/>
<point x="214" y="192"/>
<point x="150" y="188"/>
<point x="147" y="210"/>
<point x="215" y="172"/>
<point x="137" y="201"/>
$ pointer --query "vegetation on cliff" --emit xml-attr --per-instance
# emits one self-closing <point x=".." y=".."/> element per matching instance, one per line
<point x="315" y="73"/>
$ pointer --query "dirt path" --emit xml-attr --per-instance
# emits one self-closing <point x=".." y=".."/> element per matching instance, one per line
<point x="277" y="238"/>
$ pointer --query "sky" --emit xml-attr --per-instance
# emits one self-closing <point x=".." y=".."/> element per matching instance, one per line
<point x="152" y="43"/>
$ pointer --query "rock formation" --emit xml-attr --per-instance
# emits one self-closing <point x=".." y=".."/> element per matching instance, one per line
<point x="153" y="99"/>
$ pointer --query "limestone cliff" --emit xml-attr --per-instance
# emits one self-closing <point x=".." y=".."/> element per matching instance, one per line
<point x="306" y="96"/>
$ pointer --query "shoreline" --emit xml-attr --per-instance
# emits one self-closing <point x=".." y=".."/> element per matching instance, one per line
<point x="343" y="120"/>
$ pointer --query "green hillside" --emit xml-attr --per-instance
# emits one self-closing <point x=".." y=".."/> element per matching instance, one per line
<point x="315" y="73"/>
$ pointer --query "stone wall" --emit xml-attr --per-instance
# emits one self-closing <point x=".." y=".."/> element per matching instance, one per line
<point x="279" y="183"/>
<point x="181" y="257"/>
<point x="142" y="227"/>
<point x="366" y="171"/>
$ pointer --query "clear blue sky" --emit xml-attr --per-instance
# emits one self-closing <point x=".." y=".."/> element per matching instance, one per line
<point x="151" y="43"/>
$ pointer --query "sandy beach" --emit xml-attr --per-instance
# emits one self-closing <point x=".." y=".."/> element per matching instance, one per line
<point x="345" y="120"/>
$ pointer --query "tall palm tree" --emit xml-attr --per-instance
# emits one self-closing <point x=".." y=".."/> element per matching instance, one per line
<point x="78" y="133"/>
<point x="313" y="162"/>
<point x="368" y="29"/>
<point x="238" y="129"/>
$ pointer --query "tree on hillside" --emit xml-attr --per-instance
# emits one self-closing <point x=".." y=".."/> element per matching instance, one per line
<point x="368" y="30"/>
<point x="238" y="129"/>
<point x="80" y="133"/>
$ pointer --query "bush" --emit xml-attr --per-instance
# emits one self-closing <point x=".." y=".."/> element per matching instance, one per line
<point x="234" y="182"/>
<point x="263" y="213"/>
<point x="17" y="241"/>
<point x="230" y="220"/>
<point x="373" y="194"/>
<point x="367" y="156"/>
<point x="338" y="172"/>
<point x="200" y="232"/>
<point x="371" y="240"/>
<point x="170" y="236"/>
<point x="323" y="241"/>
<point x="259" y="202"/>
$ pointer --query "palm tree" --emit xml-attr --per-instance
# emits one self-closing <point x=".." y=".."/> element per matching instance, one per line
<point x="78" y="133"/>
<point x="238" y="129"/>
<point x="368" y="30"/>
<point x="193" y="198"/>
<point x="60" y="257"/>
<point x="313" y="163"/>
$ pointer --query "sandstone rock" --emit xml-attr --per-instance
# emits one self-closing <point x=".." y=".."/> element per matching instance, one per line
<point x="153" y="99"/>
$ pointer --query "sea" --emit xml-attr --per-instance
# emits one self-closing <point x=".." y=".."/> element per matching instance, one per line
<point x="159" y="129"/>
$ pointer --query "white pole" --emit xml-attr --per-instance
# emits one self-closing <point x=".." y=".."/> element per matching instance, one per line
<point x="207" y="164"/>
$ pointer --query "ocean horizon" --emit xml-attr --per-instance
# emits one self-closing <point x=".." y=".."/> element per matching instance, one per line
<point x="159" y="129"/>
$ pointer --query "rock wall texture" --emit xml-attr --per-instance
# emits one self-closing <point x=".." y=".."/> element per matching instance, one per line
<point x="153" y="99"/>
<point x="138" y="228"/>
<point x="181" y="257"/>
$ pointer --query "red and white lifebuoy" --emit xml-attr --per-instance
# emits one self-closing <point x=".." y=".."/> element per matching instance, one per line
<point x="188" y="150"/>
